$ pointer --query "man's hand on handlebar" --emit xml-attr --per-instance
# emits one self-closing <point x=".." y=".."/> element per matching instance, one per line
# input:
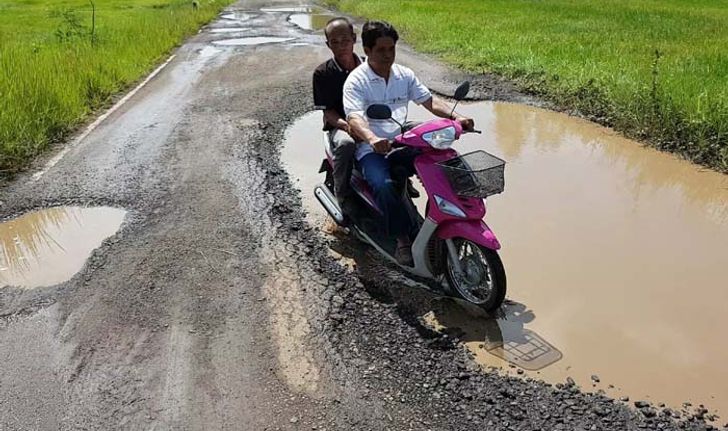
<point x="467" y="123"/>
<point x="381" y="146"/>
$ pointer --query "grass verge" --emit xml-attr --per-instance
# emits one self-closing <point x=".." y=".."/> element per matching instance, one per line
<point x="656" y="70"/>
<point x="60" y="61"/>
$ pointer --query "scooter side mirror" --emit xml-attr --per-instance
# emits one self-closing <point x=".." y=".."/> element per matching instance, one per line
<point x="379" y="112"/>
<point x="462" y="90"/>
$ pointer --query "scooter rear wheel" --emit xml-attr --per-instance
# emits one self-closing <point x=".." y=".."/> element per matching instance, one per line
<point x="483" y="278"/>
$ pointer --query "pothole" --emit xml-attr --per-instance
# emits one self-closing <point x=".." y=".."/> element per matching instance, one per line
<point x="228" y="30"/>
<point x="615" y="256"/>
<point x="247" y="41"/>
<point x="209" y="52"/>
<point x="47" y="247"/>
<point x="294" y="9"/>
<point x="309" y="21"/>
<point x="236" y="16"/>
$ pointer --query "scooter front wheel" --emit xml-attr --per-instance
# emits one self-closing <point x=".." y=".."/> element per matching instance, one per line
<point x="481" y="279"/>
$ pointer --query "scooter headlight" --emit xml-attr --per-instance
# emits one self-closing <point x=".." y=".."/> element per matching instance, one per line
<point x="448" y="207"/>
<point x="441" y="139"/>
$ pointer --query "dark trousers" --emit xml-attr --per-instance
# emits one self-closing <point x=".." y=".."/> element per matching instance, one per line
<point x="343" y="147"/>
<point x="386" y="176"/>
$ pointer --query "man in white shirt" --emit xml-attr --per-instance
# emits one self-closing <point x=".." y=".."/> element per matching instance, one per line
<point x="380" y="81"/>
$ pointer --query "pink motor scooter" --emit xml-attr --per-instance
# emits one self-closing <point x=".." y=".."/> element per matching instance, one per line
<point x="451" y="241"/>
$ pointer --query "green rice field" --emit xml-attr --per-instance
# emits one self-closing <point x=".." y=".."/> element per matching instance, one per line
<point x="58" y="65"/>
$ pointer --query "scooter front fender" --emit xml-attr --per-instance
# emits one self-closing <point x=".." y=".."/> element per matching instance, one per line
<point x="472" y="230"/>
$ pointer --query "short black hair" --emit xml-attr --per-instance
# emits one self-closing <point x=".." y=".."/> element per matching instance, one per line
<point x="373" y="30"/>
<point x="338" y="19"/>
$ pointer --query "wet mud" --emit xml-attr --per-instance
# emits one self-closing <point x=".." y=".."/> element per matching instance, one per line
<point x="286" y="285"/>
<point x="615" y="255"/>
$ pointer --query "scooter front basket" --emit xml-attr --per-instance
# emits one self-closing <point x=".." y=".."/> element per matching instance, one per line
<point x="478" y="174"/>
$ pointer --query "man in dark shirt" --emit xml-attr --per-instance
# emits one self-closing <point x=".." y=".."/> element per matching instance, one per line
<point x="328" y="85"/>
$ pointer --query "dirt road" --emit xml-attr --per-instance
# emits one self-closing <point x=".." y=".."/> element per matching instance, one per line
<point x="216" y="306"/>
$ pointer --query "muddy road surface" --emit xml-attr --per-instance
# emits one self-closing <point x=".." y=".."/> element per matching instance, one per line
<point x="207" y="300"/>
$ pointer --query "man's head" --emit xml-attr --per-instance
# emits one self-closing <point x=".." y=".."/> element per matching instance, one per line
<point x="379" y="39"/>
<point x="340" y="37"/>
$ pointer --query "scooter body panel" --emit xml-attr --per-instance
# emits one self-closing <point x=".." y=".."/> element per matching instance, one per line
<point x="358" y="184"/>
<point x="472" y="230"/>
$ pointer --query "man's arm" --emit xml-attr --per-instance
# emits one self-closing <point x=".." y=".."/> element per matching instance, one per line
<point x="334" y="119"/>
<point x="360" y="128"/>
<point x="322" y="99"/>
<point x="419" y="94"/>
<point x="442" y="109"/>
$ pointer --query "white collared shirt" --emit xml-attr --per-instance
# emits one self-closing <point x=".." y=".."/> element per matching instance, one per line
<point x="363" y="88"/>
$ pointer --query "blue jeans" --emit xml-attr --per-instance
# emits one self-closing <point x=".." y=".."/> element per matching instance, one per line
<point x="376" y="171"/>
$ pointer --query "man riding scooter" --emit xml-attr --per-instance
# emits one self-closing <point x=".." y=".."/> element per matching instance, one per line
<point x="380" y="80"/>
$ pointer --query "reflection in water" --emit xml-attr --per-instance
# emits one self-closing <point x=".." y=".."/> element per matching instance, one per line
<point x="23" y="239"/>
<point x="504" y="337"/>
<point x="619" y="249"/>
<point x="637" y="168"/>
<point x="309" y="21"/>
<point x="47" y="247"/>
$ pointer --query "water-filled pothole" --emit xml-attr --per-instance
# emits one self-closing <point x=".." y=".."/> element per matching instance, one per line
<point x="47" y="247"/>
<point x="236" y="16"/>
<point x="227" y="30"/>
<point x="247" y="41"/>
<point x="308" y="21"/>
<point x="615" y="255"/>
<point x="290" y="9"/>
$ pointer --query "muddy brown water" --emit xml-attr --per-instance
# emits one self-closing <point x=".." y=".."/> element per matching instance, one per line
<point x="616" y="256"/>
<point x="48" y="247"/>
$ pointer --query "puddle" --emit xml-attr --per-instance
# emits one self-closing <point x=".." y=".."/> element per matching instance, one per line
<point x="246" y="41"/>
<point x="309" y="21"/>
<point x="228" y="30"/>
<point x="299" y="9"/>
<point x="495" y="342"/>
<point x="209" y="52"/>
<point x="615" y="253"/>
<point x="236" y="16"/>
<point x="48" y="247"/>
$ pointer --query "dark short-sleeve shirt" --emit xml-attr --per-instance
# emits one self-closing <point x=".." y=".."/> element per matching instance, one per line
<point x="328" y="87"/>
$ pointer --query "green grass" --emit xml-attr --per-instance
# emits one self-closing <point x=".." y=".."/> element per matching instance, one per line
<point x="596" y="56"/>
<point x="53" y="75"/>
